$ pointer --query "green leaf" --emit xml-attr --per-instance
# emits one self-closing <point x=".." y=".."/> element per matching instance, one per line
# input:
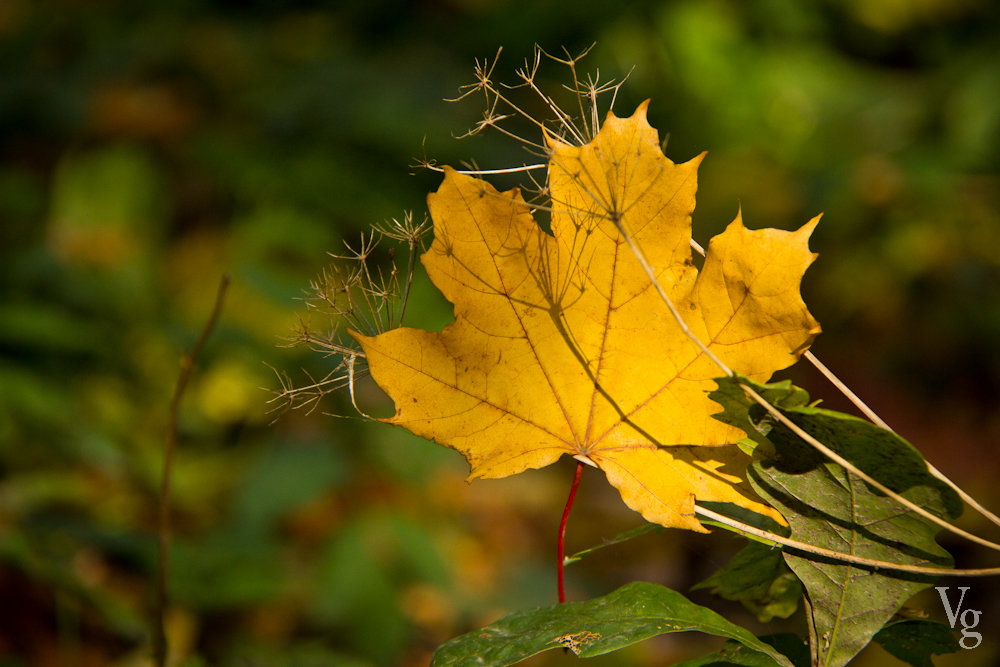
<point x="634" y="612"/>
<point x="758" y="577"/>
<point x="827" y="507"/>
<point x="752" y="418"/>
<point x="914" y="641"/>
<point x="624" y="536"/>
<point x="734" y="654"/>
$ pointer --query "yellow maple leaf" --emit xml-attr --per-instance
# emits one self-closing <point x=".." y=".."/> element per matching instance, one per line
<point x="561" y="345"/>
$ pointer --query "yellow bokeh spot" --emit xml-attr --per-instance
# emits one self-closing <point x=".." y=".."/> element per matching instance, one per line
<point x="229" y="392"/>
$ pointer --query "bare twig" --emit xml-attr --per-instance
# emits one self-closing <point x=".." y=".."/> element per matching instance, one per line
<point x="875" y="419"/>
<point x="170" y="444"/>
<point x="773" y="539"/>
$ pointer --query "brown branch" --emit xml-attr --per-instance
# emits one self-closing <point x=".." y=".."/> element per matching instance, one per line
<point x="187" y="366"/>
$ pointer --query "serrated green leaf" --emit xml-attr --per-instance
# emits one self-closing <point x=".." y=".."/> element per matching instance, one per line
<point x="827" y="507"/>
<point x="634" y="612"/>
<point x="914" y="641"/>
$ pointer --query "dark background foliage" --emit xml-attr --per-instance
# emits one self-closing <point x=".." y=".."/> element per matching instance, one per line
<point x="148" y="148"/>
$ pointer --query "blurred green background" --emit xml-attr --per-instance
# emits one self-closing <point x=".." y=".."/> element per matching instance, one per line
<point x="148" y="148"/>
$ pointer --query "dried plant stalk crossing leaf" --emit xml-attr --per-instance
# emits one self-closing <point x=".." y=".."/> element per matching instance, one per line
<point x="560" y="344"/>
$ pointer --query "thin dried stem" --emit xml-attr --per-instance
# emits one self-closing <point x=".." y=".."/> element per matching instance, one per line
<point x="774" y="539"/>
<point x="490" y="172"/>
<point x="500" y="106"/>
<point x="563" y="119"/>
<point x="868" y="412"/>
<point x="669" y="302"/>
<point x="847" y="465"/>
<point x="570" y="62"/>
<point x="360" y="294"/>
<point x="162" y="601"/>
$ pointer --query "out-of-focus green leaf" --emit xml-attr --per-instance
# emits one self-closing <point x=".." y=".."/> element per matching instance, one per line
<point x="225" y="571"/>
<point x="284" y="477"/>
<point x="353" y="592"/>
<point x="758" y="577"/>
<point x="299" y="654"/>
<point x="47" y="328"/>
<point x="30" y="555"/>
<point x="107" y="206"/>
<point x="914" y="641"/>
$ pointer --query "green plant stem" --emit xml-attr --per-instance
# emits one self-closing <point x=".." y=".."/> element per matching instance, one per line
<point x="561" y="544"/>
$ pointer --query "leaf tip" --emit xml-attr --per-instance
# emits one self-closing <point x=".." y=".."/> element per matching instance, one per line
<point x="806" y="230"/>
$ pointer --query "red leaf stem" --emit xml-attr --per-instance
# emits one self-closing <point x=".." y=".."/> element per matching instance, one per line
<point x="561" y="548"/>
